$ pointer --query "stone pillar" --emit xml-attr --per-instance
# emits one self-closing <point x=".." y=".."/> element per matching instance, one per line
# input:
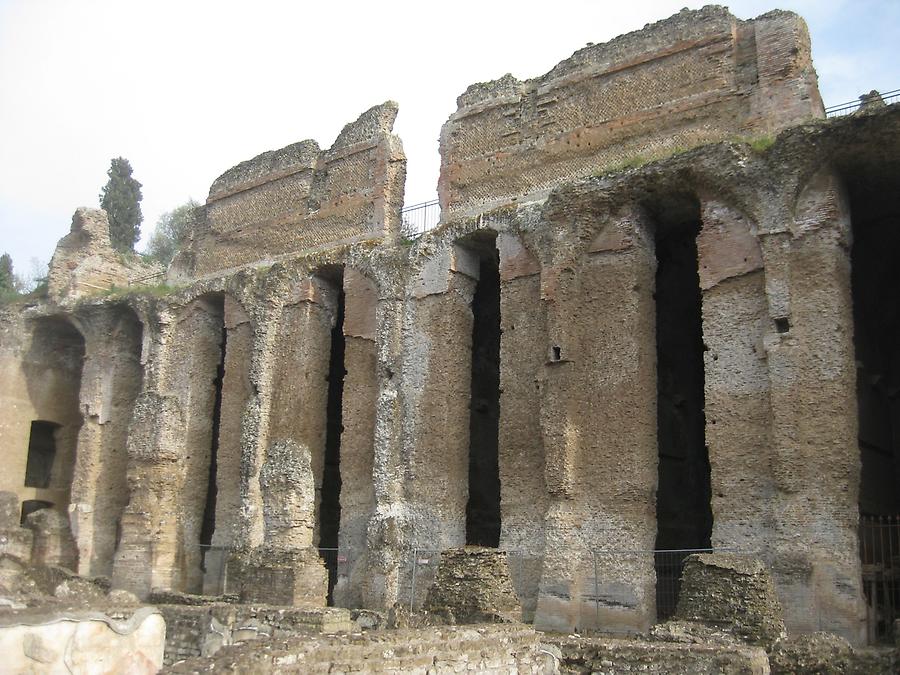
<point x="300" y="377"/>
<point x="280" y="564"/>
<point x="236" y="391"/>
<point x="737" y="404"/>
<point x="286" y="569"/>
<point x="523" y="353"/>
<point x="111" y="380"/>
<point x="384" y="539"/>
<point x="169" y="448"/>
<point x="599" y="412"/>
<point x="358" y="437"/>
<point x="437" y="383"/>
<point x="812" y="372"/>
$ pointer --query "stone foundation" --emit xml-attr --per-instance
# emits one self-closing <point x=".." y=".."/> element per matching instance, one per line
<point x="476" y="649"/>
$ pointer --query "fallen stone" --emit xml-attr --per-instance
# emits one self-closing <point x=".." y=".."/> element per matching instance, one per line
<point x="473" y="585"/>
<point x="734" y="593"/>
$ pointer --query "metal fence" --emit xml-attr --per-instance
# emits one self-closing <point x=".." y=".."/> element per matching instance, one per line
<point x="879" y="551"/>
<point x="850" y="107"/>
<point x="667" y="564"/>
<point x="156" y="277"/>
<point x="419" y="218"/>
<point x="602" y="585"/>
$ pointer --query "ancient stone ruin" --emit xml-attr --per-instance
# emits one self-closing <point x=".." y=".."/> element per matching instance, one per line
<point x="657" y="315"/>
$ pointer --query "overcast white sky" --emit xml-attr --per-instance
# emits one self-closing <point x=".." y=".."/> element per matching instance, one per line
<point x="186" y="89"/>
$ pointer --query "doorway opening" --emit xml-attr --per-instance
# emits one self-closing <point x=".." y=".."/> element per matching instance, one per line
<point x="41" y="454"/>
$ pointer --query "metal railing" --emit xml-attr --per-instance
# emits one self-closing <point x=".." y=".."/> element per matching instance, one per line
<point x="850" y="107"/>
<point x="141" y="281"/>
<point x="879" y="551"/>
<point x="419" y="218"/>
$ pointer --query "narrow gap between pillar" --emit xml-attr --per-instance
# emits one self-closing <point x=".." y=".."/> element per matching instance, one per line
<point x="209" y="513"/>
<point x="483" y="507"/>
<point x="330" y="507"/>
<point x="683" y="508"/>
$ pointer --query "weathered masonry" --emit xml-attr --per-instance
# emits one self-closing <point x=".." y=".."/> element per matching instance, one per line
<point x="659" y="313"/>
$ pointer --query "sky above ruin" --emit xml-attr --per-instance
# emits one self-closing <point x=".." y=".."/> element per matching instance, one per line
<point x="185" y="90"/>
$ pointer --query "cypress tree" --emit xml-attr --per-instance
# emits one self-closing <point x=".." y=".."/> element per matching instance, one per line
<point x="121" y="199"/>
<point x="7" y="280"/>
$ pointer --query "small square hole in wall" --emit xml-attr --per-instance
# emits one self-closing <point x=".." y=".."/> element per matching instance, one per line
<point x="782" y="325"/>
<point x="556" y="353"/>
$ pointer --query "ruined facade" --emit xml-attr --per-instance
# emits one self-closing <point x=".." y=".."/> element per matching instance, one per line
<point x="644" y="322"/>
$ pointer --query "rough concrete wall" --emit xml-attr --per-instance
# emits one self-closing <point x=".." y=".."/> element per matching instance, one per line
<point x="299" y="197"/>
<point x="300" y="385"/>
<point x="201" y="630"/>
<point x="523" y="352"/>
<point x="814" y="416"/>
<point x="599" y="412"/>
<point x="358" y="437"/>
<point x="737" y="404"/>
<point x="609" y="655"/>
<point x="489" y="649"/>
<point x="437" y="382"/>
<point x="111" y="381"/>
<point x="698" y="77"/>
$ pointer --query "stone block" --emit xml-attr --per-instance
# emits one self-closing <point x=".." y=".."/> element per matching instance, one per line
<point x="293" y="578"/>
<point x="53" y="542"/>
<point x="473" y="585"/>
<point x="734" y="592"/>
<point x="83" y="642"/>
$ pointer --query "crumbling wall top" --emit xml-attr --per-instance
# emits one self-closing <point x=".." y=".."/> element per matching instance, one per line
<point x="265" y="167"/>
<point x="300" y="198"/>
<point x="700" y="76"/>
<point x="85" y="262"/>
